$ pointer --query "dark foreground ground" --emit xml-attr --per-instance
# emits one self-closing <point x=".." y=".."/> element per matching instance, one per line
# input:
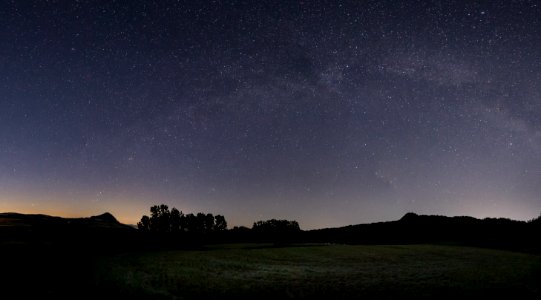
<point x="259" y="271"/>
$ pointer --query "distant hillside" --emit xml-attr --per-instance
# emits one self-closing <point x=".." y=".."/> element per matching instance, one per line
<point x="413" y="228"/>
<point x="39" y="221"/>
<point x="102" y="232"/>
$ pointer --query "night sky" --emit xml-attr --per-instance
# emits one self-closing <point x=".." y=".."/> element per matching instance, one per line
<point x="326" y="112"/>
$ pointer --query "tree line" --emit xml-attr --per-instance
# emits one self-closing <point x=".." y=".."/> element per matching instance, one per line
<point x="162" y="220"/>
<point x="276" y="226"/>
<point x="209" y="227"/>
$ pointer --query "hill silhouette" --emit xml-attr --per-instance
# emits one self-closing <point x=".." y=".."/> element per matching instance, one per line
<point x="55" y="255"/>
<point x="105" y="217"/>
<point x="46" y="223"/>
<point x="462" y="230"/>
<point x="105" y="220"/>
<point x="97" y="233"/>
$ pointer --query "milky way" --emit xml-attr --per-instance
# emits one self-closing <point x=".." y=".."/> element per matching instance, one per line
<point x="326" y="112"/>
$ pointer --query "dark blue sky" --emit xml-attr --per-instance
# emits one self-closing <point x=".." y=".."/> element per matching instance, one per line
<point x="327" y="112"/>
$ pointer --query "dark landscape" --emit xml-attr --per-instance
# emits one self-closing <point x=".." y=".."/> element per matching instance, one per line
<point x="318" y="149"/>
<point x="417" y="256"/>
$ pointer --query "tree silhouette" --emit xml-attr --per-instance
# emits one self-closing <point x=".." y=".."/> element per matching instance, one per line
<point x="219" y="223"/>
<point x="163" y="220"/>
<point x="200" y="222"/>
<point x="279" y="231"/>
<point x="160" y="218"/>
<point x="176" y="220"/>
<point x="144" y="224"/>
<point x="274" y="225"/>
<point x="190" y="221"/>
<point x="209" y="223"/>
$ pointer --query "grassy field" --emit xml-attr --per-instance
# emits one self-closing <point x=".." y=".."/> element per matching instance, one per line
<point x="331" y="271"/>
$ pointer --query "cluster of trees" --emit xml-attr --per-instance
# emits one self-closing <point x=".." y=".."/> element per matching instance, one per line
<point x="205" y="227"/>
<point x="278" y="231"/>
<point x="164" y="220"/>
<point x="536" y="221"/>
<point x="276" y="226"/>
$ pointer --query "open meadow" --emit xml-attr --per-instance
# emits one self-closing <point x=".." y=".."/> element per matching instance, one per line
<point x="329" y="271"/>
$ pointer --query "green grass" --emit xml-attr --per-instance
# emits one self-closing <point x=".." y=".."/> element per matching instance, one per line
<point x="333" y="271"/>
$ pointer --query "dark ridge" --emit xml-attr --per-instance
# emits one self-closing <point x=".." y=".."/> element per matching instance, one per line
<point x="43" y="225"/>
<point x="501" y="233"/>
<point x="409" y="216"/>
<point x="105" y="217"/>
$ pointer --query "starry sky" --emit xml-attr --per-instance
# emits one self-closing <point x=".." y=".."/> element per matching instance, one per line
<point x="326" y="112"/>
